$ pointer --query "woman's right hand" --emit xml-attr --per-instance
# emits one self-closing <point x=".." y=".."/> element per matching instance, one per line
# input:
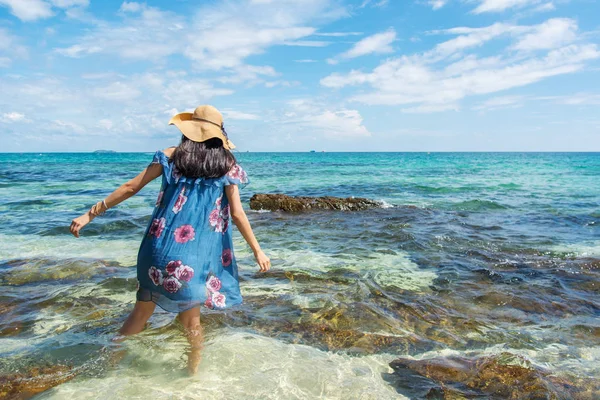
<point x="262" y="260"/>
<point x="80" y="222"/>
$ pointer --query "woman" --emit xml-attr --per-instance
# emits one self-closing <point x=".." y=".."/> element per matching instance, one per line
<point x="186" y="257"/>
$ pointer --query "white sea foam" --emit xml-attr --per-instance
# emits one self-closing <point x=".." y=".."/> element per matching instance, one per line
<point x="236" y="365"/>
<point x="29" y="246"/>
<point x="584" y="249"/>
<point x="385" y="269"/>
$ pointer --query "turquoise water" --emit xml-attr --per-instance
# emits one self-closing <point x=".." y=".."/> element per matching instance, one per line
<point x="472" y="254"/>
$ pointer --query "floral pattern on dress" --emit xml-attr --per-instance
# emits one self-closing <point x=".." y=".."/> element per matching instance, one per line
<point x="219" y="217"/>
<point x="173" y="277"/>
<point x="236" y="172"/>
<point x="155" y="275"/>
<point x="226" y="257"/>
<point x="157" y="227"/>
<point x="181" y="200"/>
<point x="159" y="198"/>
<point x="171" y="284"/>
<point x="214" y="298"/>
<point x="184" y="233"/>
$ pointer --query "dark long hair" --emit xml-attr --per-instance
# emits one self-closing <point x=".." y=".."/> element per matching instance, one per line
<point x="208" y="159"/>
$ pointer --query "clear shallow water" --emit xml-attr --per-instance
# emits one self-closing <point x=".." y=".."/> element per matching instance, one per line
<point x="481" y="254"/>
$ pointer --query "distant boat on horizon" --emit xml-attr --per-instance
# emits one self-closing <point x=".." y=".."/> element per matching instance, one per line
<point x="312" y="151"/>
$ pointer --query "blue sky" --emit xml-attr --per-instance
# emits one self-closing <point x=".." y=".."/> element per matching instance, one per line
<point x="333" y="75"/>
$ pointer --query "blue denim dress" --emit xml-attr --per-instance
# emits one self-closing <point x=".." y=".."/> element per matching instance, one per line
<point x="186" y="257"/>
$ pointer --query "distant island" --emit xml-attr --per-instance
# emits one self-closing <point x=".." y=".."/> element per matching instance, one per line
<point x="104" y="151"/>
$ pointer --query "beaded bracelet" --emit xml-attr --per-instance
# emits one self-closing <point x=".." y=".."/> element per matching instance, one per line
<point x="94" y="207"/>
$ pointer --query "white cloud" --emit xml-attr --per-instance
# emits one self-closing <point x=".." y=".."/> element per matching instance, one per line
<point x="67" y="125"/>
<point x="150" y="35"/>
<point x="337" y="34"/>
<point x="28" y="10"/>
<point x="252" y="74"/>
<point x="430" y="108"/>
<point x="308" y="117"/>
<point x="117" y="91"/>
<point x="31" y="10"/>
<point x="10" y="48"/>
<point x="441" y="77"/>
<point x="135" y="103"/>
<point x="238" y="115"/>
<point x="437" y="4"/>
<point x="487" y="6"/>
<point x="70" y="3"/>
<point x="502" y="5"/>
<point x="500" y="102"/>
<point x="550" y="34"/>
<point x="13" y="117"/>
<point x="380" y="43"/>
<point x="578" y="99"/>
<point x="374" y="3"/>
<point x="219" y="36"/>
<point x="131" y="6"/>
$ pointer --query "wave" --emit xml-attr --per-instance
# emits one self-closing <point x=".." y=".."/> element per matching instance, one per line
<point x="478" y="205"/>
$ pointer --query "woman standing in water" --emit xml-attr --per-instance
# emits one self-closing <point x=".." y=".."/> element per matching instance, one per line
<point x="186" y="257"/>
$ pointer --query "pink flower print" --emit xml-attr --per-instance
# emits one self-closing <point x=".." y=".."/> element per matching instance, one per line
<point x="184" y="273"/>
<point x="218" y="217"/>
<point x="159" y="198"/>
<point x="208" y="303"/>
<point x="236" y="172"/>
<point x="158" y="224"/>
<point x="184" y="234"/>
<point x="213" y="284"/>
<point x="181" y="200"/>
<point x="220" y="227"/>
<point x="176" y="174"/>
<point x="214" y="217"/>
<point x="171" y="284"/>
<point x="226" y="257"/>
<point x="156" y="276"/>
<point x="218" y="299"/>
<point x="172" y="267"/>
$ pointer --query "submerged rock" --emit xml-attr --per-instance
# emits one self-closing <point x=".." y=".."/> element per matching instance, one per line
<point x="282" y="202"/>
<point x="36" y="380"/>
<point x="502" y="376"/>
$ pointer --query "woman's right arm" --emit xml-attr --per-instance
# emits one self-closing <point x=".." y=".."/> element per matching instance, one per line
<point x="238" y="215"/>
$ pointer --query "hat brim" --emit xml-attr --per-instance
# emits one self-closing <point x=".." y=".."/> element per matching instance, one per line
<point x="199" y="131"/>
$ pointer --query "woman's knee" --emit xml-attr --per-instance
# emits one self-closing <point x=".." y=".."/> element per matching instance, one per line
<point x="190" y="319"/>
<point x="144" y="309"/>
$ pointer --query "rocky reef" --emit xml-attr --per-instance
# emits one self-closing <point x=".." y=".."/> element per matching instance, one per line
<point x="501" y="376"/>
<point x="282" y="202"/>
<point x="24" y="385"/>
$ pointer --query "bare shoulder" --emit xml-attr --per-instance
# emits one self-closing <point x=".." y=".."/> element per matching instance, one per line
<point x="169" y="151"/>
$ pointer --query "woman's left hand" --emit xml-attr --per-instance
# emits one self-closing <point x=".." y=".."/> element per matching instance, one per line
<point x="78" y="223"/>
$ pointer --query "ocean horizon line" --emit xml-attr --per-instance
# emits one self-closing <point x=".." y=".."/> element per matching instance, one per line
<point x="106" y="152"/>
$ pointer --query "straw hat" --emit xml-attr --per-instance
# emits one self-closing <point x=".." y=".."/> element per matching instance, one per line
<point x="206" y="122"/>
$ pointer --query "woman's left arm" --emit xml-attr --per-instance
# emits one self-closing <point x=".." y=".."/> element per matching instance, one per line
<point x="122" y="193"/>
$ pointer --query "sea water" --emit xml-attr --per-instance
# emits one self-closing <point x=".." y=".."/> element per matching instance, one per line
<point x="471" y="254"/>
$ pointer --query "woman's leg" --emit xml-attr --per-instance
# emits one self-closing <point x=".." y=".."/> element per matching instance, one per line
<point x="136" y="321"/>
<point x="194" y="333"/>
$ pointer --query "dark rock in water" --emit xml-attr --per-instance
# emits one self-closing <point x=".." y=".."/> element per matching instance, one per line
<point x="503" y="376"/>
<point x="36" y="380"/>
<point x="282" y="202"/>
